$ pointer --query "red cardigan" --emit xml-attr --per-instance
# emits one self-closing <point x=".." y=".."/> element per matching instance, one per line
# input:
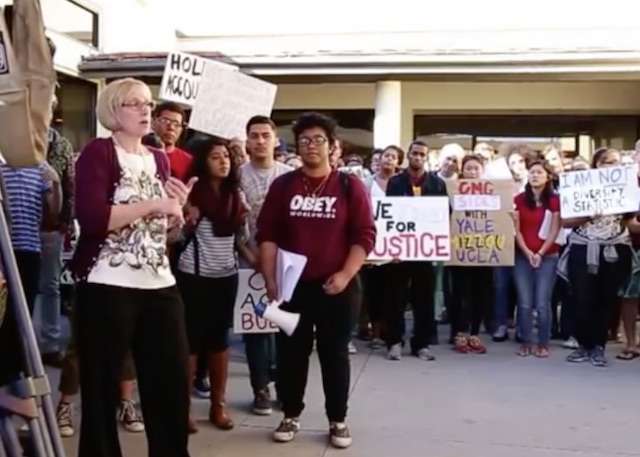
<point x="97" y="175"/>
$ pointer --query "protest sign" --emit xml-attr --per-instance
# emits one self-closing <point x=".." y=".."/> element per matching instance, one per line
<point x="481" y="223"/>
<point x="411" y="228"/>
<point x="251" y="290"/>
<point x="607" y="190"/>
<point x="181" y="78"/>
<point x="227" y="100"/>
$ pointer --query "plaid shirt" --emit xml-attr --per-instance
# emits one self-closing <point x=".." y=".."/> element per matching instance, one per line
<point x="62" y="159"/>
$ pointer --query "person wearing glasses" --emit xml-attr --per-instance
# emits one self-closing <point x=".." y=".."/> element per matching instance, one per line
<point x="168" y="125"/>
<point x="126" y="293"/>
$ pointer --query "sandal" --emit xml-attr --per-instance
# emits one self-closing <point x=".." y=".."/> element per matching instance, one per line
<point x="461" y="344"/>
<point x="524" y="351"/>
<point x="542" y="352"/>
<point x="475" y="345"/>
<point x="628" y="354"/>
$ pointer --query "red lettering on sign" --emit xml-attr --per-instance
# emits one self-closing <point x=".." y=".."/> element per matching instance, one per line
<point x="475" y="188"/>
<point x="250" y="321"/>
<point x="247" y="321"/>
<point x="412" y="246"/>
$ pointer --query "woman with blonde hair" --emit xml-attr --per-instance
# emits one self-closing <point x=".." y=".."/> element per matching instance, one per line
<point x="126" y="295"/>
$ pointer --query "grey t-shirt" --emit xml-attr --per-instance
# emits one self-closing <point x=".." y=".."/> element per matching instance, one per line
<point x="255" y="183"/>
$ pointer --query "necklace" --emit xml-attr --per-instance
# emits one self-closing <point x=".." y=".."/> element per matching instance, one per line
<point x="319" y="188"/>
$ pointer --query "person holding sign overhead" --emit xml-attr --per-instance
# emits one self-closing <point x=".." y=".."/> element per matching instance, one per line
<point x="538" y="226"/>
<point x="326" y="216"/>
<point x="598" y="258"/>
<point x="413" y="281"/>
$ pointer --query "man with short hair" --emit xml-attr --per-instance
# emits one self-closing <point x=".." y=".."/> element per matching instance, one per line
<point x="168" y="124"/>
<point x="415" y="281"/>
<point x="326" y="216"/>
<point x="256" y="177"/>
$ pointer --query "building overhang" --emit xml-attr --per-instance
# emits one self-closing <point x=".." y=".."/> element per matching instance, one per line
<point x="404" y="65"/>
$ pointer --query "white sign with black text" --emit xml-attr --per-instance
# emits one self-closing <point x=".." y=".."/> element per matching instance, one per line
<point x="605" y="191"/>
<point x="251" y="290"/>
<point x="182" y="75"/>
<point x="227" y="100"/>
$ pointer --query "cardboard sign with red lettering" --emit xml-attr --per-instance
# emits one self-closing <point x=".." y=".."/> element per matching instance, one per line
<point x="411" y="228"/>
<point x="482" y="228"/>
<point x="251" y="290"/>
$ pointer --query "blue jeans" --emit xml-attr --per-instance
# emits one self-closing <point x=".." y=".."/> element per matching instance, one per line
<point x="261" y="358"/>
<point x="503" y="277"/>
<point x="535" y="287"/>
<point x="48" y="299"/>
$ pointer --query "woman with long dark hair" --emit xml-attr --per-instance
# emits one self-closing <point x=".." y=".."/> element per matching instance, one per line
<point x="598" y="258"/>
<point x="208" y="264"/>
<point x="538" y="225"/>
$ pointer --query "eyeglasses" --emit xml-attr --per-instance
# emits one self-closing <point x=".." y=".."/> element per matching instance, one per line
<point x="139" y="105"/>
<point x="316" y="140"/>
<point x="170" y="122"/>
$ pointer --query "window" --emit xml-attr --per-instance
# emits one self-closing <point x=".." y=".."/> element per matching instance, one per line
<point x="71" y="19"/>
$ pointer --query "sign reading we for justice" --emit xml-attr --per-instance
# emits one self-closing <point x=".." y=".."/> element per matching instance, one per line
<point x="607" y="190"/>
<point x="251" y="290"/>
<point x="411" y="228"/>
<point x="482" y="230"/>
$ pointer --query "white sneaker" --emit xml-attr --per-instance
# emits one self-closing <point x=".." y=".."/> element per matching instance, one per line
<point x="64" y="417"/>
<point x="395" y="352"/>
<point x="352" y="348"/>
<point x="571" y="343"/>
<point x="286" y="431"/>
<point x="129" y="417"/>
<point x="340" y="436"/>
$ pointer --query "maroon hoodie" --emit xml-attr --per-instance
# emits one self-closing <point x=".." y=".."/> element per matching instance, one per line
<point x="322" y="229"/>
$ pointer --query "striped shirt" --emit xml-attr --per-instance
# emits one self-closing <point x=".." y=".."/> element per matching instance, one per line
<point x="25" y="191"/>
<point x="216" y="255"/>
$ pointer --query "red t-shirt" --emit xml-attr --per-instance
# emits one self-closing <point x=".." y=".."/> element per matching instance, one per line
<point x="179" y="161"/>
<point x="531" y="221"/>
<point x="322" y="228"/>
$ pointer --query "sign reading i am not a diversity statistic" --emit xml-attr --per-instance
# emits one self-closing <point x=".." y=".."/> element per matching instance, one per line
<point x="482" y="229"/>
<point x="411" y="229"/>
<point x="606" y="191"/>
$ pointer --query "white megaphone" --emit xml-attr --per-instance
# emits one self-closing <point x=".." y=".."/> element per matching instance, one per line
<point x="286" y="321"/>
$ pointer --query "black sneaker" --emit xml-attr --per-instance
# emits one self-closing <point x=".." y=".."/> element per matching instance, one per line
<point x="201" y="388"/>
<point x="286" y="431"/>
<point x="339" y="435"/>
<point x="597" y="357"/>
<point x="579" y="355"/>
<point x="262" y="405"/>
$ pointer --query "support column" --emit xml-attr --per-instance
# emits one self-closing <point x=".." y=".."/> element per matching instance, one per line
<point x="387" y="123"/>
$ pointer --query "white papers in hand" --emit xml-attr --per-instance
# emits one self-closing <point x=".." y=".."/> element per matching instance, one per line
<point x="289" y="268"/>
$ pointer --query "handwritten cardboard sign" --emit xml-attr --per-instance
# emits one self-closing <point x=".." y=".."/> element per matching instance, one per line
<point x="607" y="190"/>
<point x="227" y="99"/>
<point x="411" y="228"/>
<point x="182" y="75"/>
<point x="251" y="290"/>
<point x="482" y="231"/>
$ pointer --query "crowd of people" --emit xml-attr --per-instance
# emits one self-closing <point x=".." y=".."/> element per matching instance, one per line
<point x="164" y="231"/>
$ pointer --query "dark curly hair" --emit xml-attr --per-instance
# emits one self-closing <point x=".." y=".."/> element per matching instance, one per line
<point x="310" y="120"/>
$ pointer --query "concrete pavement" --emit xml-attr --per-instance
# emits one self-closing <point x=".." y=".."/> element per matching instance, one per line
<point x="492" y="405"/>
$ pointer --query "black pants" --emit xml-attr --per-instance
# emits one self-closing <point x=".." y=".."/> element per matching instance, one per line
<point x="595" y="294"/>
<point x="375" y="282"/>
<point x="471" y="297"/>
<point x="411" y="282"/>
<point x="208" y="308"/>
<point x="331" y="316"/>
<point x="12" y="358"/>
<point x="110" y="321"/>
